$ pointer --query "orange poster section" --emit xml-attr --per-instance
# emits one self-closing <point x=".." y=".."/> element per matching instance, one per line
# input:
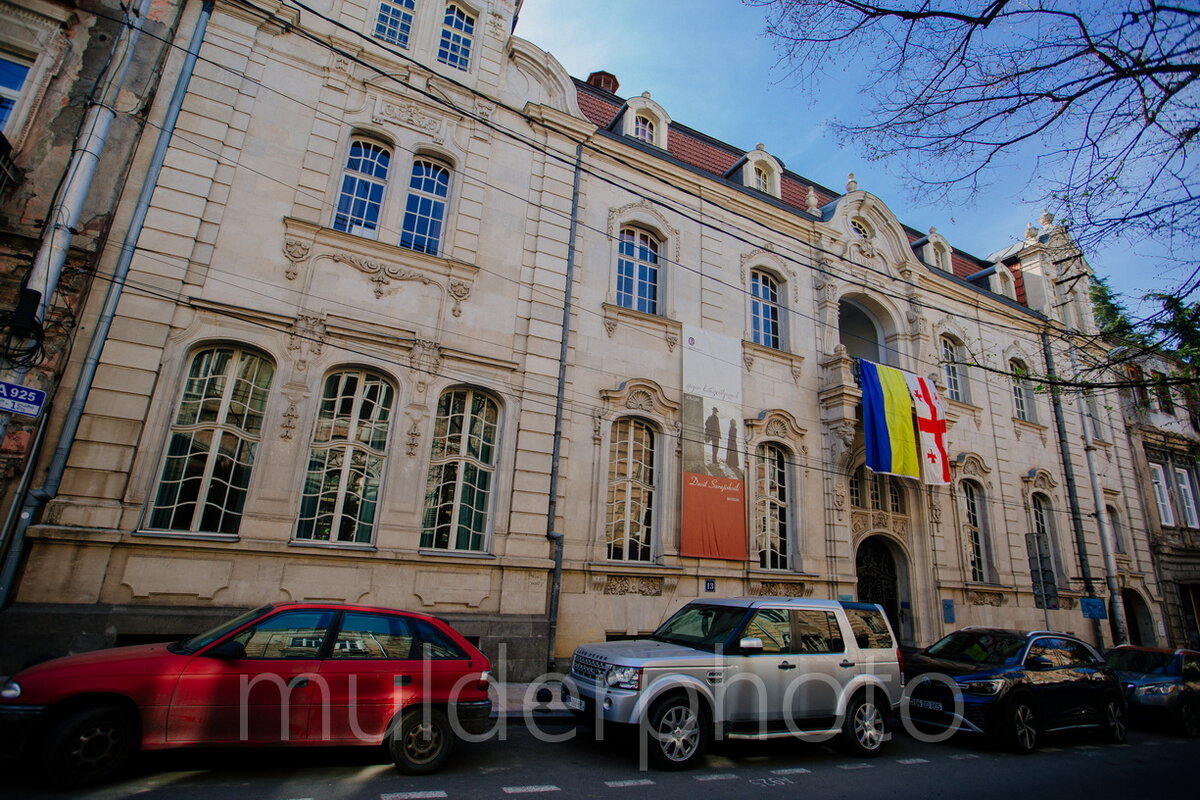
<point x="714" y="517"/>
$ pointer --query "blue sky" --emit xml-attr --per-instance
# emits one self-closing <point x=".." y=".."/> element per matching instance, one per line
<point x="709" y="65"/>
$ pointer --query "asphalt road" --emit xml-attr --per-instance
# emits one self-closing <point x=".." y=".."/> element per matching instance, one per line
<point x="1148" y="765"/>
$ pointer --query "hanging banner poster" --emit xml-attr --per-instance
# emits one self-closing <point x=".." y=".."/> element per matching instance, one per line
<point x="714" y="445"/>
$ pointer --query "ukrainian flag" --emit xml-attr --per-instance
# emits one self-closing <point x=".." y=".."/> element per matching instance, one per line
<point x="888" y="420"/>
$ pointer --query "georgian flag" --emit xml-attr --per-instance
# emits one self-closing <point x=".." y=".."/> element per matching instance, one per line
<point x="931" y="426"/>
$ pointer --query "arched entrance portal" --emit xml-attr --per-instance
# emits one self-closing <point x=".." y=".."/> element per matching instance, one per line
<point x="1137" y="619"/>
<point x="882" y="578"/>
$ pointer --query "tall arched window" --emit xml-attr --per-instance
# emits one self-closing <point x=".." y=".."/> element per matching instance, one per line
<point x="1022" y="391"/>
<point x="772" y="517"/>
<point x="1042" y="555"/>
<point x="764" y="309"/>
<point x="363" y="182"/>
<point x="458" y="34"/>
<point x="346" y="459"/>
<point x="631" y="489"/>
<point x="425" y="208"/>
<point x="462" y="468"/>
<point x="1114" y="521"/>
<point x="213" y="441"/>
<point x="637" y="270"/>
<point x="954" y="370"/>
<point x="975" y="530"/>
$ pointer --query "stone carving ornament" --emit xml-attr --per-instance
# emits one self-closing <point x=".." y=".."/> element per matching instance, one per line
<point x="631" y="584"/>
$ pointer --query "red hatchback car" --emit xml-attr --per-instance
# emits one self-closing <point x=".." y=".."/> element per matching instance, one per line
<point x="301" y="674"/>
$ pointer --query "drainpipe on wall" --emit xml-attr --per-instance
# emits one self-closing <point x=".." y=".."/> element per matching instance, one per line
<point x="63" y="219"/>
<point x="556" y="538"/>
<point x="1116" y="603"/>
<point x="58" y="464"/>
<point x="1064" y="451"/>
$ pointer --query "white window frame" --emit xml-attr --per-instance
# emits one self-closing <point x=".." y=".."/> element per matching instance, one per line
<point x="457" y="39"/>
<point x="469" y="445"/>
<point x="1023" y="408"/>
<point x="617" y="512"/>
<point x="766" y="311"/>
<point x="238" y="417"/>
<point x="1162" y="495"/>
<point x="975" y="526"/>
<point x="953" y="370"/>
<point x="354" y="181"/>
<point x="1185" y="490"/>
<point x="773" y="515"/>
<point x="394" y="15"/>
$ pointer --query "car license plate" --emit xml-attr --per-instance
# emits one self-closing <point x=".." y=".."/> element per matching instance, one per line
<point x="929" y="704"/>
<point x="572" y="702"/>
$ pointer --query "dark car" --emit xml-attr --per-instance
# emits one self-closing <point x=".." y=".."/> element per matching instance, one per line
<point x="1013" y="686"/>
<point x="1162" y="687"/>
<point x="301" y="674"/>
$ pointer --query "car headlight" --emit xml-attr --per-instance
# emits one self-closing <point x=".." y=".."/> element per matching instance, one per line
<point x="989" y="687"/>
<point x="11" y="690"/>
<point x="1156" y="689"/>
<point x="624" y="677"/>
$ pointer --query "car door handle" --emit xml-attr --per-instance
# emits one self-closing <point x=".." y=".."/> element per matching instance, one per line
<point x="786" y="665"/>
<point x="846" y="663"/>
<point x="401" y="680"/>
<point x="297" y="683"/>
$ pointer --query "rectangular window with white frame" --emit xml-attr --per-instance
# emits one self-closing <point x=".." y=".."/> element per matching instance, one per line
<point x="1185" y="490"/>
<point x="1162" y="497"/>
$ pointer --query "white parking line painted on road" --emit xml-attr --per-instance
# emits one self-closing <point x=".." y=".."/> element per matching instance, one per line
<point x="963" y="756"/>
<point x="626" y="784"/>
<point x="791" y="771"/>
<point x="722" y="776"/>
<point x="530" y="789"/>
<point x="1151" y="744"/>
<point x="1087" y="747"/>
<point x="1051" y="749"/>
<point x="855" y="766"/>
<point x="907" y="761"/>
<point x="411" y="795"/>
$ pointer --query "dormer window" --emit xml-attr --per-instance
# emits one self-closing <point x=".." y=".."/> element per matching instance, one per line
<point x="759" y="171"/>
<point x="645" y="120"/>
<point x="643" y="128"/>
<point x="860" y="227"/>
<point x="941" y="258"/>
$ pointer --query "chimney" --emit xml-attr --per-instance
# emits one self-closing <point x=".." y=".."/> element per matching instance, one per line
<point x="604" y="80"/>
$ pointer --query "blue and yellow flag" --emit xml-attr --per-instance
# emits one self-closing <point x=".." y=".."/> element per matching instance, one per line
<point x="888" y="420"/>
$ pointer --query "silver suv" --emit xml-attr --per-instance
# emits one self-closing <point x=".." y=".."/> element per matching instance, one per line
<point x="745" y="668"/>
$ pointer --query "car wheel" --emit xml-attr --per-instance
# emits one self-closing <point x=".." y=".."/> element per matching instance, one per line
<point x="863" y="730"/>
<point x="90" y="746"/>
<point x="1189" y="719"/>
<point x="1022" y="731"/>
<point x="421" y="742"/>
<point x="1115" y="726"/>
<point x="676" y="733"/>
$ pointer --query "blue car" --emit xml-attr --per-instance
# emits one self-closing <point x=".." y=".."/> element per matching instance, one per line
<point x="1014" y="686"/>
<point x="1162" y="687"/>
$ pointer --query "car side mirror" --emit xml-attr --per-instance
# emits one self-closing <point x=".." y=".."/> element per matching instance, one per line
<point x="228" y="650"/>
<point x="751" y="644"/>
<point x="1038" y="663"/>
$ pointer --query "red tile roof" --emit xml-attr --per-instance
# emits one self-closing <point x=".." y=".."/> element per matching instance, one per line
<point x="697" y="150"/>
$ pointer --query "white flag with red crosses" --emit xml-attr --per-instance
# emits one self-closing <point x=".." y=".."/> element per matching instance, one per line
<point x="931" y="427"/>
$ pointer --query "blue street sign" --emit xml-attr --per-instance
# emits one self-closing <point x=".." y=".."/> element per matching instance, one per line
<point x="948" y="611"/>
<point x="1093" y="608"/>
<point x="21" y="399"/>
<point x="710" y="585"/>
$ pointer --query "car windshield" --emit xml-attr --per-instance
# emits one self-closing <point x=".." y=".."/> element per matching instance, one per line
<point x="700" y="625"/>
<point x="1141" y="661"/>
<point x="979" y="647"/>
<point x="189" y="646"/>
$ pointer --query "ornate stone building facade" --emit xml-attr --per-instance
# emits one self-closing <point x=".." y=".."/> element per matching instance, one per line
<point x="409" y="313"/>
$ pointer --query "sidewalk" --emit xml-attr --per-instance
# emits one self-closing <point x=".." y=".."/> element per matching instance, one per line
<point x="520" y="700"/>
